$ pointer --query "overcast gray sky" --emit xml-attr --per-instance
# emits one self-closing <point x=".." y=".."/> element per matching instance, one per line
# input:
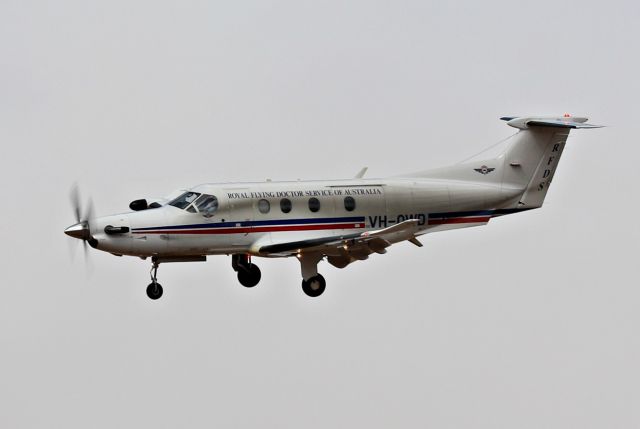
<point x="529" y="322"/>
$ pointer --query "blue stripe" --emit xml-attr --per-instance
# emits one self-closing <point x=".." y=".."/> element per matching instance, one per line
<point x="354" y="219"/>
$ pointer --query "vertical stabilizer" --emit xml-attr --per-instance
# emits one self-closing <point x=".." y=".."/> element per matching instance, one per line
<point x="531" y="161"/>
<point x="525" y="168"/>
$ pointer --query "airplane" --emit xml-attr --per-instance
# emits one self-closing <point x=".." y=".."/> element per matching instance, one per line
<point x="342" y="221"/>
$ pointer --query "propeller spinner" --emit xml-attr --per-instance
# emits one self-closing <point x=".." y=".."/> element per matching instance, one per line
<point x="81" y="229"/>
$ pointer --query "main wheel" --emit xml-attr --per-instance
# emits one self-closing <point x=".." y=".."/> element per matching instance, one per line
<point x="154" y="291"/>
<point x="314" y="286"/>
<point x="249" y="276"/>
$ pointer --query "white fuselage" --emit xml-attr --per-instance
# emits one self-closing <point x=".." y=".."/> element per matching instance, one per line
<point x="252" y="215"/>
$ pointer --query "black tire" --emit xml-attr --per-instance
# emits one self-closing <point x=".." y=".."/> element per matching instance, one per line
<point x="249" y="276"/>
<point x="314" y="286"/>
<point x="154" y="291"/>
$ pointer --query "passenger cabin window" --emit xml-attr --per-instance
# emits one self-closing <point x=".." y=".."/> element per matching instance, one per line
<point x="349" y="204"/>
<point x="184" y="200"/>
<point x="285" y="205"/>
<point x="314" y="204"/>
<point x="264" y="206"/>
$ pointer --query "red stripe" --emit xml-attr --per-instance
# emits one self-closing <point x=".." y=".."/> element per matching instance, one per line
<point x="459" y="220"/>
<point x="247" y="230"/>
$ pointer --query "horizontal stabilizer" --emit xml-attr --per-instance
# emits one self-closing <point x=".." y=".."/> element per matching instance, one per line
<point x="553" y="122"/>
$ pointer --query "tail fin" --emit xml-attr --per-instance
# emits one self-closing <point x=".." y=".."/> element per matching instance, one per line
<point x="531" y="160"/>
<point x="527" y="165"/>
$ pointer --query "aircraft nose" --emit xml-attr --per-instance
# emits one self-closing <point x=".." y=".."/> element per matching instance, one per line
<point x="79" y="230"/>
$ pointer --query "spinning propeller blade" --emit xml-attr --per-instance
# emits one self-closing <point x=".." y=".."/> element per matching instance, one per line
<point x="89" y="214"/>
<point x="81" y="229"/>
<point x="74" y="196"/>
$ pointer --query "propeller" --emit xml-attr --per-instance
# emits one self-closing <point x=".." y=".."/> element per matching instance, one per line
<point x="81" y="229"/>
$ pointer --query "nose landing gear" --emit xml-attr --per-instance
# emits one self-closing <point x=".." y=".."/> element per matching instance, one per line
<point x="154" y="290"/>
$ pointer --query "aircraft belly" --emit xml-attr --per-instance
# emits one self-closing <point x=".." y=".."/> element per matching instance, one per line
<point x="206" y="244"/>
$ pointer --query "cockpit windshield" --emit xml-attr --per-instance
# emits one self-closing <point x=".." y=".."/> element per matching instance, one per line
<point x="195" y="202"/>
<point x="184" y="200"/>
<point x="207" y="205"/>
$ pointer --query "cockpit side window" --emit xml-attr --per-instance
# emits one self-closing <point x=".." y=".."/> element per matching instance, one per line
<point x="207" y="205"/>
<point x="184" y="200"/>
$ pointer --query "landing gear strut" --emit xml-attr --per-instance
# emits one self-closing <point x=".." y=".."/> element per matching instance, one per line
<point x="248" y="274"/>
<point x="313" y="284"/>
<point x="154" y="290"/>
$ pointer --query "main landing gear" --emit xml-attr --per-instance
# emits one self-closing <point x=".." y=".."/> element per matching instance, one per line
<point x="313" y="284"/>
<point x="154" y="290"/>
<point x="248" y="274"/>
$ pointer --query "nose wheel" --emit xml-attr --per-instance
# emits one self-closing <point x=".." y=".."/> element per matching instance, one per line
<point x="154" y="290"/>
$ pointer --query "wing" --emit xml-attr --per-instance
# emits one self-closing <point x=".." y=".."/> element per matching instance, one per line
<point x="341" y="250"/>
